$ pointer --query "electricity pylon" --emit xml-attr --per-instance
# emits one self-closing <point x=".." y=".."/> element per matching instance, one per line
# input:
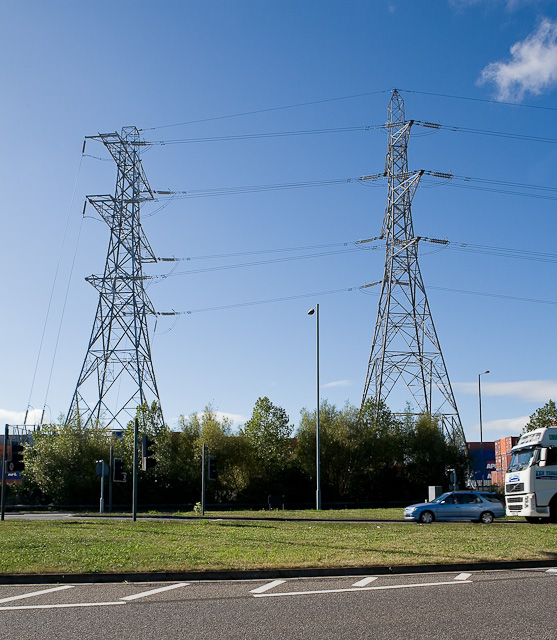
<point x="405" y="346"/>
<point x="117" y="374"/>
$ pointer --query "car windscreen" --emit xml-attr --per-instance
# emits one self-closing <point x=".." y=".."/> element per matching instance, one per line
<point x="441" y="497"/>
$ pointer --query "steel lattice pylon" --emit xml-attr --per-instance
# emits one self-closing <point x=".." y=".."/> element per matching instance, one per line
<point x="117" y="375"/>
<point x="405" y="346"/>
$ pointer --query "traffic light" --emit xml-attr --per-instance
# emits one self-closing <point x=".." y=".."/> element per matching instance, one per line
<point x="117" y="474"/>
<point x="147" y="453"/>
<point x="213" y="471"/>
<point x="16" y="461"/>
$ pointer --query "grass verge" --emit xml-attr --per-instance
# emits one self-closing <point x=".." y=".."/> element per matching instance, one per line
<point x="123" y="546"/>
<point x="308" y="514"/>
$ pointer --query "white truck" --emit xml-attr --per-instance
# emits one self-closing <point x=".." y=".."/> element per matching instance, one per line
<point x="531" y="479"/>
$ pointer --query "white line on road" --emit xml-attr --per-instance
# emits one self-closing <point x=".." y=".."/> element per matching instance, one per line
<point x="36" y="593"/>
<point x="463" y="576"/>
<point x="364" y="582"/>
<point x="551" y="571"/>
<point x="153" y="591"/>
<point x="396" y="586"/>
<point x="269" y="585"/>
<point x="60" y="606"/>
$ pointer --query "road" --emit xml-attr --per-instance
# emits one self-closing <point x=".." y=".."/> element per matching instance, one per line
<point x="513" y="605"/>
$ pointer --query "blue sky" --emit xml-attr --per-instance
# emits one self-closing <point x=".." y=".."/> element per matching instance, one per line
<point x="72" y="69"/>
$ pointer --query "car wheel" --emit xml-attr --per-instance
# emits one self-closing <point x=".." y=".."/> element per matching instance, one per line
<point x="486" y="517"/>
<point x="426" y="517"/>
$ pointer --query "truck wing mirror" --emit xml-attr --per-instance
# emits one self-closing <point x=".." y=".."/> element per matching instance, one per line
<point x="543" y="457"/>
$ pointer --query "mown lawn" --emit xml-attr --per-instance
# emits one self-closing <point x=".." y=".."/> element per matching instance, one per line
<point x="100" y="545"/>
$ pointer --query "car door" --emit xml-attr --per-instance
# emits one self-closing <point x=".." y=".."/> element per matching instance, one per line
<point x="470" y="506"/>
<point x="447" y="509"/>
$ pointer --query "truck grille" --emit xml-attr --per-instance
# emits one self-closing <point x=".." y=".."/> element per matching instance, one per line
<point x="510" y="500"/>
<point x="514" y="488"/>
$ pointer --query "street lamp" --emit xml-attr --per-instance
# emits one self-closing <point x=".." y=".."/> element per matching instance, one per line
<point x="317" y="446"/>
<point x="480" y="401"/>
<point x="481" y="430"/>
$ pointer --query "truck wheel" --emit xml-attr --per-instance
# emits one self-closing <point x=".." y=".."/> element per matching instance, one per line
<point x="486" y="517"/>
<point x="553" y="511"/>
<point x="426" y="517"/>
<point x="534" y="520"/>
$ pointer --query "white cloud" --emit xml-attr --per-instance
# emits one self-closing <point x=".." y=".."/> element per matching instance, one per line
<point x="236" y="418"/>
<point x="533" y="66"/>
<point x="530" y="390"/>
<point x="18" y="417"/>
<point x="506" y="426"/>
<point x="510" y="5"/>
<point x="336" y="383"/>
<point x="496" y="429"/>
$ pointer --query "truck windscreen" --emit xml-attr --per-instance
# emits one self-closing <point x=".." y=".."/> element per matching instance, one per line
<point x="521" y="459"/>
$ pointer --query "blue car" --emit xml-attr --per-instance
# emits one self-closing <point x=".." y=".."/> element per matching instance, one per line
<point x="479" y="506"/>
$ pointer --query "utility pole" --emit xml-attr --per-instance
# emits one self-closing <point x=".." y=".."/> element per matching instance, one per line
<point x="405" y="347"/>
<point x="117" y="373"/>
<point x="4" y="459"/>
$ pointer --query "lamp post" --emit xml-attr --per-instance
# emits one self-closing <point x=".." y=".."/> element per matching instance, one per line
<point x="480" y="402"/>
<point x="481" y="426"/>
<point x="317" y="444"/>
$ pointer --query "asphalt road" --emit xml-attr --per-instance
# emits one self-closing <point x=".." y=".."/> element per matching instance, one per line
<point x="513" y="605"/>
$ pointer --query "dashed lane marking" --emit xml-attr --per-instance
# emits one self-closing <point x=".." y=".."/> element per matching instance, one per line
<point x="123" y="600"/>
<point x="364" y="581"/>
<point x="352" y="589"/>
<point x="36" y="593"/>
<point x="144" y="594"/>
<point x="463" y="576"/>
<point x="61" y="606"/>
<point x="269" y="585"/>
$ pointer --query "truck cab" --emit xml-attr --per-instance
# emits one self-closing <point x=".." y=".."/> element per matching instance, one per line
<point x="531" y="478"/>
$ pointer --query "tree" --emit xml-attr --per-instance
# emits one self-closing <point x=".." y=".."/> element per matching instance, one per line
<point x="229" y="451"/>
<point x="61" y="463"/>
<point x="545" y="416"/>
<point x="269" y="431"/>
<point x="429" y="455"/>
<point x="269" y="435"/>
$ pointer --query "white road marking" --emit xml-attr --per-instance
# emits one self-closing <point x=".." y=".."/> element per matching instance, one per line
<point x="463" y="576"/>
<point x="269" y="585"/>
<point x="385" y="588"/>
<point x="153" y="591"/>
<point x="36" y="593"/>
<point x="60" y="606"/>
<point x="364" y="582"/>
<point x="551" y="571"/>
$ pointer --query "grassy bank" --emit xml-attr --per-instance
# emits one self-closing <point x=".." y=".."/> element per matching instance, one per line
<point x="112" y="546"/>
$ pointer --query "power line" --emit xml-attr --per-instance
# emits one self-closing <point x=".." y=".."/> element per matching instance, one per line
<point x="256" y="263"/>
<point x="463" y="182"/>
<point x="348" y="97"/>
<point x="512" y="104"/>
<point x="226" y="191"/>
<point x="275" y="134"/>
<point x="256" y="111"/>
<point x="268" y="301"/>
<point x="494" y="295"/>
<point x="504" y="252"/>
<point x="266" y="251"/>
<point x="361" y="288"/>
